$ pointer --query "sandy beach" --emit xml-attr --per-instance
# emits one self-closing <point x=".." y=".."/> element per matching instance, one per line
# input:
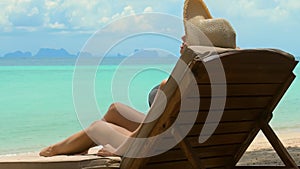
<point x="261" y="152"/>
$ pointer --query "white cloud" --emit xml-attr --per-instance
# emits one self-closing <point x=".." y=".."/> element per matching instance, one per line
<point x="271" y="11"/>
<point x="73" y="15"/>
<point x="12" y="11"/>
<point x="148" y="9"/>
<point x="57" y="25"/>
<point x="132" y="23"/>
<point x="289" y="4"/>
<point x="26" y="28"/>
<point x="34" y="11"/>
<point x="50" y="4"/>
<point x="104" y="19"/>
<point x="4" y="21"/>
<point x="128" y="10"/>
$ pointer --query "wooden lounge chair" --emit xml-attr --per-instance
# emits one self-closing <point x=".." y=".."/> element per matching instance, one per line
<point x="256" y="80"/>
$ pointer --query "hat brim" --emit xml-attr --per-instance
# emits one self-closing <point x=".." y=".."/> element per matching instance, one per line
<point x="194" y="8"/>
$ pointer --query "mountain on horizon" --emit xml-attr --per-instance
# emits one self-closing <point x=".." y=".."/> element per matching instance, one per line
<point x="47" y="52"/>
<point x="42" y="53"/>
<point x="18" y="54"/>
<point x="63" y="53"/>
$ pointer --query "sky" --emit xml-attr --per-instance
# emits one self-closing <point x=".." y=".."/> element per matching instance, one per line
<point x="29" y="25"/>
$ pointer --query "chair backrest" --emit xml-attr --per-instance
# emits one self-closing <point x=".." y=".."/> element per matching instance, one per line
<point x="255" y="81"/>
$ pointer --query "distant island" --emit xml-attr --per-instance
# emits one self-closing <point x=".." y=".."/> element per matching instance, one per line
<point x="63" y="53"/>
<point x="48" y="56"/>
<point x="42" y="53"/>
<point x="18" y="54"/>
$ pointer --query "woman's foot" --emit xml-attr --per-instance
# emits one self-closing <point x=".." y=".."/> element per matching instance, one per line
<point x="48" y="152"/>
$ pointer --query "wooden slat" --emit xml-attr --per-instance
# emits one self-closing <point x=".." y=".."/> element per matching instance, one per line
<point x="246" y="77"/>
<point x="244" y="71"/>
<point x="265" y="56"/>
<point x="234" y="66"/>
<point x="217" y="161"/>
<point x="237" y="90"/>
<point x="171" y="165"/>
<point x="213" y="141"/>
<point x="188" y="150"/>
<point x="209" y="163"/>
<point x="231" y="103"/>
<point x="228" y="115"/>
<point x="201" y="152"/>
<point x="224" y="128"/>
<point x="218" y="140"/>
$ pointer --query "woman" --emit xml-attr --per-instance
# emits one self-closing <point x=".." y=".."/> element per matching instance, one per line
<point x="111" y="132"/>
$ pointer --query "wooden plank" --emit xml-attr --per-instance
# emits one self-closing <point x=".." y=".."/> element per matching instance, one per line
<point x="218" y="140"/>
<point x="237" y="90"/>
<point x="215" y="151"/>
<point x="224" y="128"/>
<point x="217" y="161"/>
<point x="201" y="152"/>
<point x="212" y="142"/>
<point x="245" y="67"/>
<point x="231" y="103"/>
<point x="242" y="102"/>
<point x="209" y="163"/>
<point x="228" y="115"/>
<point x="265" y="56"/>
<point x="246" y="70"/>
<point x="245" y="77"/>
<point x="188" y="150"/>
<point x="170" y="165"/>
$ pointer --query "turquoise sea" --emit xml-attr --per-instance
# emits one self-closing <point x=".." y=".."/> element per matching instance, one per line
<point x="36" y="101"/>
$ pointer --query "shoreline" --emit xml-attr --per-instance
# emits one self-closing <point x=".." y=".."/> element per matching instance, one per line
<point x="260" y="152"/>
<point x="289" y="138"/>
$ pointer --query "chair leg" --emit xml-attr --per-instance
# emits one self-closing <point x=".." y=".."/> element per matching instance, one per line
<point x="188" y="151"/>
<point x="278" y="146"/>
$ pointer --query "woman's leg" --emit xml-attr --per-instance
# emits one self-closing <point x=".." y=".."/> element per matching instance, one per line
<point x="103" y="133"/>
<point x="120" y="120"/>
<point x="77" y="143"/>
<point x="98" y="133"/>
<point x="124" y="116"/>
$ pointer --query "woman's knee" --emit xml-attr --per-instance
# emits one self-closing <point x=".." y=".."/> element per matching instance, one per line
<point x="163" y="83"/>
<point x="94" y="126"/>
<point x="114" y="107"/>
<point x="112" y="112"/>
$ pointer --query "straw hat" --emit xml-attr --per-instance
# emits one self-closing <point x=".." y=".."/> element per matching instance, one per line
<point x="202" y="29"/>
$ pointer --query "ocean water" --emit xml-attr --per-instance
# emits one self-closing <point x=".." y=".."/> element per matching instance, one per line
<point x="36" y="101"/>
